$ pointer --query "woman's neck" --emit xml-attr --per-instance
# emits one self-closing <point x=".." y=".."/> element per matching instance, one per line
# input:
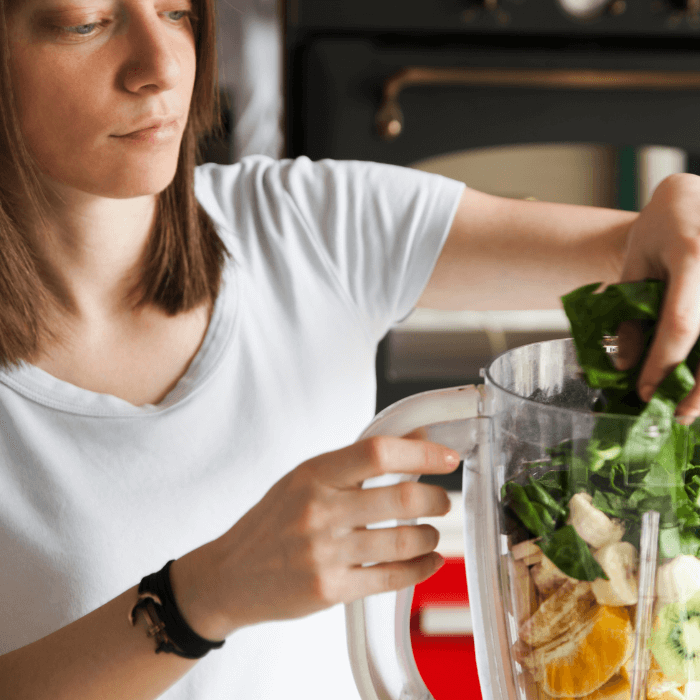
<point x="93" y="251"/>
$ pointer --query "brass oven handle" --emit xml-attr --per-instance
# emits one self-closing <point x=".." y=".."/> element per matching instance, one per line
<point x="389" y="118"/>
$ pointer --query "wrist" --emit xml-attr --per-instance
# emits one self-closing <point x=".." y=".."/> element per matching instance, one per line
<point x="191" y="578"/>
<point x="621" y="240"/>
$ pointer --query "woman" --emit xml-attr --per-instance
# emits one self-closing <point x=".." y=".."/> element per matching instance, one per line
<point x="188" y="356"/>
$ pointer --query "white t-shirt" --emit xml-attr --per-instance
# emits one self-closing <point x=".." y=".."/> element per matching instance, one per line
<point x="95" y="492"/>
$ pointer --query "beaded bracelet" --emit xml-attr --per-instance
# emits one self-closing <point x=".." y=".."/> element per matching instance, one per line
<point x="165" y="622"/>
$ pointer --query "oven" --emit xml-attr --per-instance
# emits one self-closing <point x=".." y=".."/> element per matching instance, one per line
<point x="580" y="101"/>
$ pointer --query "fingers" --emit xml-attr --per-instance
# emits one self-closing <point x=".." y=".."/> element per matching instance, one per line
<point x="664" y="243"/>
<point x="629" y="345"/>
<point x="417" y="434"/>
<point x="676" y="332"/>
<point x="689" y="408"/>
<point x="404" y="501"/>
<point x="394" y="576"/>
<point x="375" y="456"/>
<point x="390" y="544"/>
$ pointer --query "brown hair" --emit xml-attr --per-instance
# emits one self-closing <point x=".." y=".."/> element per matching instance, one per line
<point x="184" y="257"/>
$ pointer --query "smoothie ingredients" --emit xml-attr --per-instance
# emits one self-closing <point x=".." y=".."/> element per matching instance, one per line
<point x="548" y="577"/>
<point x="581" y="504"/>
<point x="584" y="659"/>
<point x="525" y="601"/>
<point x="675" y="640"/>
<point x="558" y="614"/>
<point x="678" y="580"/>
<point x="658" y="686"/>
<point x="619" y="561"/>
<point x="591" y="524"/>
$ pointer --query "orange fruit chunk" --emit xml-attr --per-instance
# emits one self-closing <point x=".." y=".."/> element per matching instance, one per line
<point x="617" y="688"/>
<point x="586" y="658"/>
<point x="659" y="687"/>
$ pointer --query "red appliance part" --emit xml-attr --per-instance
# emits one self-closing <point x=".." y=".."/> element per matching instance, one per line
<point x="446" y="662"/>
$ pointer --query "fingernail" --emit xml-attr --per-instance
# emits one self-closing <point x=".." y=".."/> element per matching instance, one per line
<point x="440" y="562"/>
<point x="646" y="392"/>
<point x="685" y="420"/>
<point x="452" y="459"/>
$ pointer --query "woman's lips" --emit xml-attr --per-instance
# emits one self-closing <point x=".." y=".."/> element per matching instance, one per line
<point x="155" y="134"/>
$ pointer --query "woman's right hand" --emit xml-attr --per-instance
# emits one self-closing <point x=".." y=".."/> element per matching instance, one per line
<point x="302" y="547"/>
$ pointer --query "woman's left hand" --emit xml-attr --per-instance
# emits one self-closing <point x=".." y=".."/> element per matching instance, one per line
<point x="664" y="243"/>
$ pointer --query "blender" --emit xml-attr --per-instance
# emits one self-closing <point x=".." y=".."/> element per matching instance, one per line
<point x="588" y="625"/>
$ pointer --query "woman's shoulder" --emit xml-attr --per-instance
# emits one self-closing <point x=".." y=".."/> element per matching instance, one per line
<point x="216" y="181"/>
<point x="259" y="185"/>
<point x="252" y="203"/>
<point x="258" y="196"/>
<point x="248" y="174"/>
<point x="228" y="190"/>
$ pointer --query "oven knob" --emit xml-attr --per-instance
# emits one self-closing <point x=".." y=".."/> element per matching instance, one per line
<point x="588" y="9"/>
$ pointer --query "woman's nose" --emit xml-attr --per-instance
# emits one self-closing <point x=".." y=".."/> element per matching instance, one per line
<point x="157" y="51"/>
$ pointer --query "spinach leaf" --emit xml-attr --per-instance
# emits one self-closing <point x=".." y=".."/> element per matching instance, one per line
<point x="571" y="554"/>
<point x="655" y="452"/>
<point x="539" y="494"/>
<point x="516" y="498"/>
<point x="648" y="462"/>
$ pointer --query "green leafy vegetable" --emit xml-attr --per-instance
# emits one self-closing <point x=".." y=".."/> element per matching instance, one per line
<point x="571" y="554"/>
<point x="517" y="499"/>
<point x="648" y="462"/>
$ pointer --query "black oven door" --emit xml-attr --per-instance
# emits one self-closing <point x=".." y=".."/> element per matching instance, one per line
<point x="392" y="100"/>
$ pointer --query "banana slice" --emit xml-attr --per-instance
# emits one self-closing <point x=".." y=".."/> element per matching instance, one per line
<point x="619" y="561"/>
<point x="527" y="552"/>
<point x="678" y="580"/>
<point x="525" y="549"/>
<point x="525" y="597"/>
<point x="592" y="525"/>
<point x="565" y="608"/>
<point x="535" y="659"/>
<point x="548" y="577"/>
<point x="533" y="559"/>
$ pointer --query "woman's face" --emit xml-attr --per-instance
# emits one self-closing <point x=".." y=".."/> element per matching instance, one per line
<point x="85" y="72"/>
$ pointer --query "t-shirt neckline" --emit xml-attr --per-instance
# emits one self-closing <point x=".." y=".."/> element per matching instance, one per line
<point x="41" y="387"/>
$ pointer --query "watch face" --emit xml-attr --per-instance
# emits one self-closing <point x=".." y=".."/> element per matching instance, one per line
<point x="583" y="9"/>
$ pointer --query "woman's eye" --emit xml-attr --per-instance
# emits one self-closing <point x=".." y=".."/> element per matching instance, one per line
<point x="87" y="29"/>
<point x="79" y="29"/>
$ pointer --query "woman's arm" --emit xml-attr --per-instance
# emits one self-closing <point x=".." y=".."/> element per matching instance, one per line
<point x="299" y="550"/>
<point x="98" y="656"/>
<point x="515" y="254"/>
<point x="512" y="254"/>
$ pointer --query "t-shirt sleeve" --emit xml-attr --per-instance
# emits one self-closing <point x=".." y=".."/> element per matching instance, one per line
<point x="380" y="228"/>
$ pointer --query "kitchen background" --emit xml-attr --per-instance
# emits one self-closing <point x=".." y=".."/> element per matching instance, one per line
<point x="581" y="101"/>
<point x="307" y="76"/>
